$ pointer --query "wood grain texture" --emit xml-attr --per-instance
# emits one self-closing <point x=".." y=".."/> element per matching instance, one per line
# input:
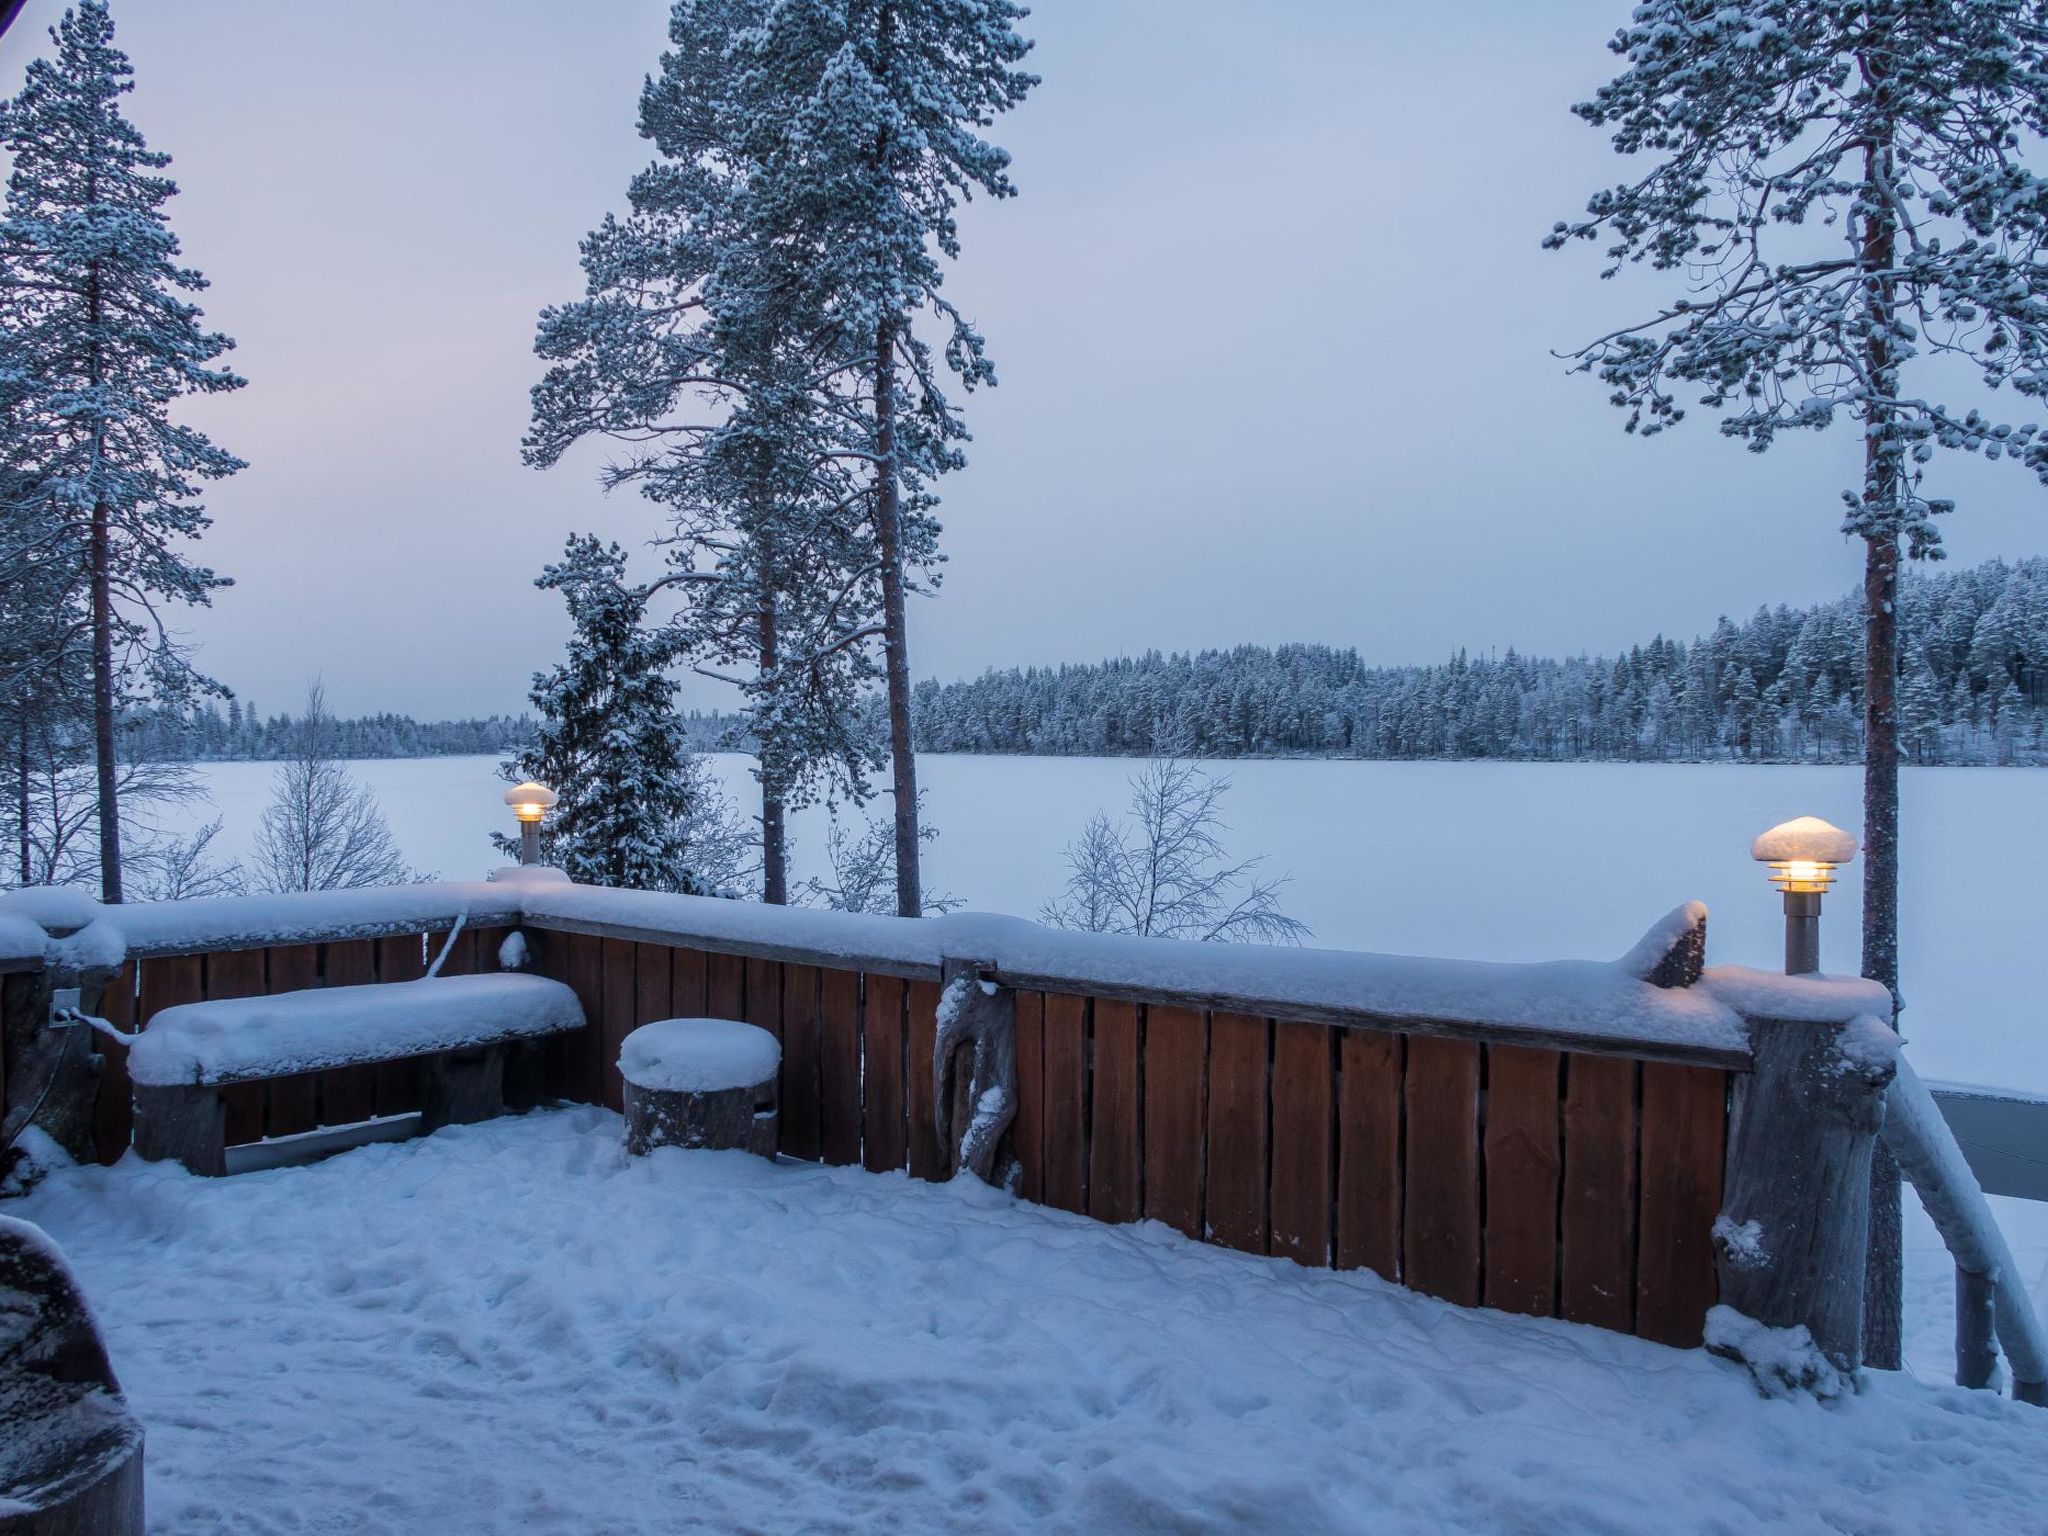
<point x="1176" y="1064"/>
<point x="113" y="1108"/>
<point x="1065" y="1078"/>
<point x="239" y="973"/>
<point x="583" y="1081"/>
<point x="1302" y="1107"/>
<point x="1597" y="1226"/>
<point x="724" y="987"/>
<point x="1684" y="1127"/>
<point x="1523" y="1166"/>
<point x="401" y="1085"/>
<point x="1113" y="1152"/>
<point x="884" y="1136"/>
<point x="799" y="1111"/>
<point x="348" y="1094"/>
<point x="921" y="1005"/>
<point x="1027" y="1131"/>
<point x="839" y="1007"/>
<point x="688" y="977"/>
<point x="292" y="1104"/>
<point x="620" y="996"/>
<point x="1369" y="1153"/>
<point x="1234" y="1179"/>
<point x="1440" y="1254"/>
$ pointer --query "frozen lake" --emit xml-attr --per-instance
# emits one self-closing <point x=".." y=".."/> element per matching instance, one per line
<point x="1497" y="861"/>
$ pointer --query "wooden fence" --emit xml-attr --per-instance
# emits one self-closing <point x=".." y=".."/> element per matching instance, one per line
<point x="1552" y="1182"/>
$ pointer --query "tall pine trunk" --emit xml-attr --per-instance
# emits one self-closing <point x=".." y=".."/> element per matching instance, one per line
<point x="895" y="640"/>
<point x="1883" y="493"/>
<point x="774" y="820"/>
<point x="21" y="802"/>
<point x="103" y="707"/>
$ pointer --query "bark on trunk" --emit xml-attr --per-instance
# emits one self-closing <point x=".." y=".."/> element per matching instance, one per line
<point x="21" y="806"/>
<point x="895" y="641"/>
<point x="103" y="707"/>
<point x="774" y="825"/>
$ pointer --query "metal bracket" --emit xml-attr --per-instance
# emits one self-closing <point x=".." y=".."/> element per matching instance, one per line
<point x="64" y="1008"/>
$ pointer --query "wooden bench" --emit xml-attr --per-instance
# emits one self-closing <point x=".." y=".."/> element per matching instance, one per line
<point x="461" y="1026"/>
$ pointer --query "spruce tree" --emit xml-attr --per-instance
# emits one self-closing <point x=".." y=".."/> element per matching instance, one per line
<point x="636" y="806"/>
<point x="96" y="345"/>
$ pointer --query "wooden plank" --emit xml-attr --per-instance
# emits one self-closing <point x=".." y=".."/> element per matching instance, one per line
<point x="1369" y="1152"/>
<point x="401" y="1085"/>
<point x="489" y="941"/>
<point x="239" y="973"/>
<point x="921" y="1032"/>
<point x="1234" y="1200"/>
<point x="1523" y="1164"/>
<point x="348" y="1094"/>
<point x="1114" y="1172"/>
<point x="762" y="1007"/>
<point x="616" y="1019"/>
<point x="1440" y="1162"/>
<point x="1065" y="1130"/>
<point x="168" y="981"/>
<point x="687" y="976"/>
<point x="1684" y="1130"/>
<point x="1176" y="1062"/>
<point x="462" y="955"/>
<point x="652" y="983"/>
<point x="839" y="1066"/>
<point x="1597" y="1223"/>
<point x="113" y="1110"/>
<point x="884" y="1138"/>
<point x="1303" y="1095"/>
<point x="1027" y="1130"/>
<point x="292" y="1104"/>
<point x="798" y="1112"/>
<point x="724" y="982"/>
<point x="583" y="1079"/>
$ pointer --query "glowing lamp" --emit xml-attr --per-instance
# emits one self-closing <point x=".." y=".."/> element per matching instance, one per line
<point x="530" y="802"/>
<point x="1802" y="855"/>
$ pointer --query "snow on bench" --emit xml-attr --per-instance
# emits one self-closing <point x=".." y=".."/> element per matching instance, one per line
<point x="242" y="1039"/>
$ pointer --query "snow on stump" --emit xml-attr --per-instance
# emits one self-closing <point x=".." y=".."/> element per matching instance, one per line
<point x="462" y="1024"/>
<point x="700" y="1083"/>
<point x="70" y="1450"/>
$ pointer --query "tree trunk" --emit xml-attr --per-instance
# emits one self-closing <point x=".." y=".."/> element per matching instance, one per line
<point x="774" y="830"/>
<point x="103" y="707"/>
<point x="21" y="804"/>
<point x="895" y="642"/>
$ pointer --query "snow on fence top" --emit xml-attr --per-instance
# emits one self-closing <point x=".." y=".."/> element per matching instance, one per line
<point x="236" y="1039"/>
<point x="1585" y="1003"/>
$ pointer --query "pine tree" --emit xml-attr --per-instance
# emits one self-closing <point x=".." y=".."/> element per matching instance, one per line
<point x="96" y="344"/>
<point x="1843" y="184"/>
<point x="637" y="809"/>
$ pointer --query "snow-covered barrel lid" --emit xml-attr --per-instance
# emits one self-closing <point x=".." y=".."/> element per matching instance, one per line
<point x="699" y="1056"/>
<point x="59" y="910"/>
<point x="1805" y="838"/>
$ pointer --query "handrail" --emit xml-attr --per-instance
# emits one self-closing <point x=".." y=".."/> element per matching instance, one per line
<point x="1929" y="1155"/>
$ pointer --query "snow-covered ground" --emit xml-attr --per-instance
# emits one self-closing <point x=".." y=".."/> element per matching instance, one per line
<point x="1491" y="861"/>
<point x="513" y="1328"/>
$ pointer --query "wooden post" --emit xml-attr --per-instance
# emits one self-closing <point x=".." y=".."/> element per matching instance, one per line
<point x="1789" y="1247"/>
<point x="1976" y="1328"/>
<point x="974" y="1056"/>
<point x="185" y="1123"/>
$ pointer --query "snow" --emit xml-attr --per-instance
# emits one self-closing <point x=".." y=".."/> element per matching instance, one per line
<point x="699" y="1055"/>
<point x="1660" y="938"/>
<point x="521" y="1330"/>
<point x="1804" y="838"/>
<point x="237" y="921"/>
<point x="1783" y="1361"/>
<point x="233" y="1039"/>
<point x="55" y="909"/>
<point x="1797" y="999"/>
<point x="1488" y="861"/>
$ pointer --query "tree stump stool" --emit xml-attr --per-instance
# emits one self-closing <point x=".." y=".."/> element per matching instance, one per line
<point x="700" y="1083"/>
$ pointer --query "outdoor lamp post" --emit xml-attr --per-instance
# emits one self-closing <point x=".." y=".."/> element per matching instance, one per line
<point x="1802" y="854"/>
<point x="530" y="802"/>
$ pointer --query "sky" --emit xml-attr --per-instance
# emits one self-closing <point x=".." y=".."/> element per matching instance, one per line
<point x="1275" y="337"/>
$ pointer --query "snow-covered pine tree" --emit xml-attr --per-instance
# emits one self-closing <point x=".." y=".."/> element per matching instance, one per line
<point x="637" y="807"/>
<point x="98" y="344"/>
<point x="1843" y="188"/>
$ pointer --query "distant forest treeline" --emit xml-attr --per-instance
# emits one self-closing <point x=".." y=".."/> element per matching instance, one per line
<point x="1785" y="686"/>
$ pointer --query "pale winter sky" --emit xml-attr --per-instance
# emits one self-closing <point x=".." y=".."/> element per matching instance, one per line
<point x="1271" y="318"/>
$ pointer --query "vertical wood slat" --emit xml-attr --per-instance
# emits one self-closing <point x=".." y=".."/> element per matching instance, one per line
<point x="615" y="1021"/>
<point x="582" y="1059"/>
<point x="884" y="1138"/>
<point x="460" y="957"/>
<point x="1522" y="1167"/>
<point x="839" y="1066"/>
<point x="1369" y="1213"/>
<point x="1027" y="1130"/>
<point x="724" y="987"/>
<point x="401" y="1085"/>
<point x="347" y="1094"/>
<point x="1597" y="1208"/>
<point x="238" y="973"/>
<point x="292" y="1104"/>
<point x="761" y="1006"/>
<point x="687" y="978"/>
<point x="1176" y="1051"/>
<point x="1235" y="1176"/>
<point x="921" y="1030"/>
<point x="1440" y="1253"/>
<point x="1113" y="1135"/>
<point x="799" y="1108"/>
<point x="1302" y="1091"/>
<point x="1684" y="1128"/>
<point x="113" y="1108"/>
<point x="1065" y="1078"/>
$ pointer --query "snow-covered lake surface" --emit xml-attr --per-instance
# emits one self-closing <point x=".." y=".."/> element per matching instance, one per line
<point x="1491" y="861"/>
<point x="512" y="1328"/>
